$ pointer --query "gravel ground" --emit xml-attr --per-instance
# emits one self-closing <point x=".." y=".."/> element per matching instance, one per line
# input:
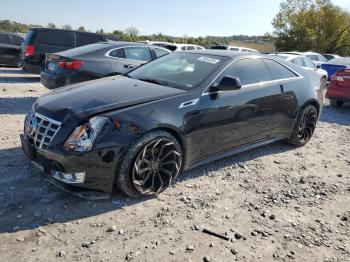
<point x="275" y="203"/>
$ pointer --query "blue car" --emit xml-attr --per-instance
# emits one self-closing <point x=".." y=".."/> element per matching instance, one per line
<point x="333" y="65"/>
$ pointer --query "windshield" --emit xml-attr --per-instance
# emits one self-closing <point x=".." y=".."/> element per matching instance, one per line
<point x="179" y="69"/>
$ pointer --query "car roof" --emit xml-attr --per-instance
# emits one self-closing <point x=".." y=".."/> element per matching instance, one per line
<point x="226" y="53"/>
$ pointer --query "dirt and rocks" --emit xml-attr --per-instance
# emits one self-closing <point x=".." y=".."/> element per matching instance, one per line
<point x="275" y="203"/>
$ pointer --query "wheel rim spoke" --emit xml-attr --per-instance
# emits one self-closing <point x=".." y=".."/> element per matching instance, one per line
<point x="307" y="125"/>
<point x="156" y="166"/>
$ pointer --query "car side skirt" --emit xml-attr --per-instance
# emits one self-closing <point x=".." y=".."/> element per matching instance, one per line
<point x="234" y="151"/>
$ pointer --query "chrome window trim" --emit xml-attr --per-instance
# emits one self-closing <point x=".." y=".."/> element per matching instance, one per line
<point x="260" y="83"/>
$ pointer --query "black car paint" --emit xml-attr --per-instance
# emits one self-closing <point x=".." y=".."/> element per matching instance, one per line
<point x="217" y="125"/>
<point x="35" y="63"/>
<point x="10" y="52"/>
<point x="96" y="64"/>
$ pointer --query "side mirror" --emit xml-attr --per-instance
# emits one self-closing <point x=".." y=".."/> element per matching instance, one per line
<point x="227" y="83"/>
<point x="318" y="67"/>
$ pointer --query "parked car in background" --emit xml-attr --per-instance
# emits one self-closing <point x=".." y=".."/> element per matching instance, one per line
<point x="95" y="61"/>
<point x="39" y="41"/>
<point x="330" y="56"/>
<point x="317" y="58"/>
<point x="339" y="88"/>
<point x="174" y="46"/>
<point x="10" y="49"/>
<point x="234" y="48"/>
<point x="307" y="64"/>
<point x="138" y="132"/>
<point x="333" y="65"/>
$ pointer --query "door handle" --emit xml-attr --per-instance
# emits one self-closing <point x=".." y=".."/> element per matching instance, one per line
<point x="128" y="66"/>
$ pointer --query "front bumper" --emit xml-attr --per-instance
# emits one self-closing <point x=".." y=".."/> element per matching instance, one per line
<point x="98" y="165"/>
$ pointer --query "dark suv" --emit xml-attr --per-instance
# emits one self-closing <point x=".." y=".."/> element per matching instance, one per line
<point x="40" y="41"/>
<point x="10" y="49"/>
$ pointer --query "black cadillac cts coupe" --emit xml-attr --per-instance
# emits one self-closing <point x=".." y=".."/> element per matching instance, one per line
<point x="139" y="131"/>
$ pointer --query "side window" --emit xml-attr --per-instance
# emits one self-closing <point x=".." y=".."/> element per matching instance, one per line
<point x="160" y="52"/>
<point x="4" y="39"/>
<point x="313" y="57"/>
<point x="183" y="48"/>
<point x="278" y="71"/>
<point x="199" y="48"/>
<point x="86" y="39"/>
<point x="308" y="63"/>
<point x="321" y="58"/>
<point x="119" y="53"/>
<point x="17" y="40"/>
<point x="249" y="71"/>
<point x="297" y="61"/>
<point x="234" y="49"/>
<point x="137" y="53"/>
<point x="190" y="47"/>
<point x="53" y="37"/>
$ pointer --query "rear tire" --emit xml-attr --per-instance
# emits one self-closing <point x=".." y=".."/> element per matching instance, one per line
<point x="335" y="103"/>
<point x="304" y="127"/>
<point x="149" y="165"/>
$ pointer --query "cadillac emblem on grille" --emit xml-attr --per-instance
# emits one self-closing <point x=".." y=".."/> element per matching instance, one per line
<point x="40" y="130"/>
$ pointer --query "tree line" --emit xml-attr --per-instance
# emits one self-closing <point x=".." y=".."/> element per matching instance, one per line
<point x="133" y="34"/>
<point x="316" y="25"/>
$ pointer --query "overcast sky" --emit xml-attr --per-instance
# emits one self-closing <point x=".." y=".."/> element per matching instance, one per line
<point x="177" y="18"/>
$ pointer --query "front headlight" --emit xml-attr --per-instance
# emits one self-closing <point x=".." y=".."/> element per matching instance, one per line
<point x="83" y="137"/>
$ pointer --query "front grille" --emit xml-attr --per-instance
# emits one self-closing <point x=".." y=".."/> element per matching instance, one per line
<point x="40" y="130"/>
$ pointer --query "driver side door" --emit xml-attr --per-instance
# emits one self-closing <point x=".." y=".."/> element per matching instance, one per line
<point x="230" y="119"/>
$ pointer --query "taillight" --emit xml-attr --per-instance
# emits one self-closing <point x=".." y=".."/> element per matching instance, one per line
<point x="75" y="64"/>
<point x="30" y="50"/>
<point x="337" y="78"/>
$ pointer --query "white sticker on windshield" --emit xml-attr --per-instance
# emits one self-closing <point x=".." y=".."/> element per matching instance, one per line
<point x="208" y="59"/>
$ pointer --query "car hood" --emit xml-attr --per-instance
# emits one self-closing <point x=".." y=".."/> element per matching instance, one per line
<point x="86" y="99"/>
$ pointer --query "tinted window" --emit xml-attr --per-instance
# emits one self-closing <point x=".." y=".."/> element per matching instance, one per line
<point x="220" y="47"/>
<point x="119" y="53"/>
<point x="189" y="47"/>
<point x="321" y="58"/>
<point x="160" y="52"/>
<point x="249" y="71"/>
<point x="183" y="48"/>
<point x="313" y="57"/>
<point x="3" y="39"/>
<point x="85" y="39"/>
<point x="137" y="53"/>
<point x="17" y="40"/>
<point x="234" y="49"/>
<point x="278" y="71"/>
<point x="58" y="38"/>
<point x="199" y="48"/>
<point x="298" y="61"/>
<point x="308" y="63"/>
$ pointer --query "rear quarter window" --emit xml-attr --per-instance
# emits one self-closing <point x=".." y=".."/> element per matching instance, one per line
<point x="278" y="71"/>
<point x="118" y="53"/>
<point x="86" y="39"/>
<point x="4" y="39"/>
<point x="56" y="38"/>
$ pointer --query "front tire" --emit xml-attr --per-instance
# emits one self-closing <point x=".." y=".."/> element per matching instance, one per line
<point x="335" y="103"/>
<point x="304" y="126"/>
<point x="150" y="165"/>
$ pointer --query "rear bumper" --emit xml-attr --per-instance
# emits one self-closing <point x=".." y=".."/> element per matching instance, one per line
<point x="32" y="66"/>
<point x="338" y="93"/>
<point x="98" y="165"/>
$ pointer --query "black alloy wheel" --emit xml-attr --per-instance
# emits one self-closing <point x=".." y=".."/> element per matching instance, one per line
<point x="304" y="127"/>
<point x="156" y="166"/>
